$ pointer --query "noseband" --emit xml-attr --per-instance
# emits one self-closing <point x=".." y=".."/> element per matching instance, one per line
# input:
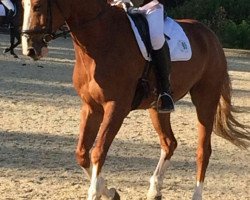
<point x="48" y="35"/>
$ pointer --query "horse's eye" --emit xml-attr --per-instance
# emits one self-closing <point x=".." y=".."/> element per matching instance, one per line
<point x="37" y="8"/>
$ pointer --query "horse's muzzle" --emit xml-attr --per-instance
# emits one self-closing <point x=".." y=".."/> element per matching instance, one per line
<point x="31" y="53"/>
<point x="34" y="47"/>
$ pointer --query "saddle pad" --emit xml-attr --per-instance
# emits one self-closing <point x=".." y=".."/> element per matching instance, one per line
<point x="179" y="45"/>
<point x="2" y="10"/>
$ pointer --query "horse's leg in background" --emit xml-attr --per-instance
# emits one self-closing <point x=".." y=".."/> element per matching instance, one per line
<point x="112" y="121"/>
<point x="17" y="35"/>
<point x="12" y="42"/>
<point x="161" y="123"/>
<point x="205" y="96"/>
<point x="14" y="33"/>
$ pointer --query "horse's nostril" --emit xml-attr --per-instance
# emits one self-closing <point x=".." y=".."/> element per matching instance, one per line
<point x="31" y="52"/>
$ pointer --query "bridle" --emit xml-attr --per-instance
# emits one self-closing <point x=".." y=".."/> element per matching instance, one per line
<point x="48" y="35"/>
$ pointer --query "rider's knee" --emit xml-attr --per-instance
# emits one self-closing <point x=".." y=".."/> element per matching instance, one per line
<point x="157" y="41"/>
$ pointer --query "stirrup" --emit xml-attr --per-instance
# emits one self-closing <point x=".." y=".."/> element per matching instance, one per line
<point x="169" y="107"/>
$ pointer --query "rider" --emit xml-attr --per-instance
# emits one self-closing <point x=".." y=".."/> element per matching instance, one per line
<point x="154" y="13"/>
<point x="10" y="8"/>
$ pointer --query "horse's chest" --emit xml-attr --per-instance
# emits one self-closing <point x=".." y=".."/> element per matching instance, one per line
<point x="91" y="92"/>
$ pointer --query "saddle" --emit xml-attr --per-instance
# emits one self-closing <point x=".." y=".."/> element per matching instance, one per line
<point x="179" y="45"/>
<point x="142" y="89"/>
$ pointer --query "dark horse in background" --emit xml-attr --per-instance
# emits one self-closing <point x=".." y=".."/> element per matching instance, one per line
<point x="107" y="68"/>
<point x="14" y="25"/>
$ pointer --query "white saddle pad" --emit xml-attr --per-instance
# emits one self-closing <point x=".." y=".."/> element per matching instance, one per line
<point x="179" y="45"/>
<point x="2" y="10"/>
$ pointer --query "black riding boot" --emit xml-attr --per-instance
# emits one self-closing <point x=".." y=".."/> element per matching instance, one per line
<point x="162" y="62"/>
<point x="9" y="16"/>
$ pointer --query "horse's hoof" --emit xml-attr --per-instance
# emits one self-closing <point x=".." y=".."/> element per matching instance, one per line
<point x="117" y="196"/>
<point x="15" y="56"/>
<point x="158" y="198"/>
<point x="6" y="50"/>
<point x="155" y="198"/>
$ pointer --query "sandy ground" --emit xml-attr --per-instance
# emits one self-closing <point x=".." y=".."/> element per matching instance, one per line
<point x="39" y="117"/>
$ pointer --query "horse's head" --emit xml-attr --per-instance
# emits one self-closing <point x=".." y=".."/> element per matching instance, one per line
<point x="41" y="19"/>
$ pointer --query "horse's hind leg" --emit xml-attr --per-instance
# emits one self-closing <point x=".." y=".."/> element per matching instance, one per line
<point x="161" y="123"/>
<point x="205" y="96"/>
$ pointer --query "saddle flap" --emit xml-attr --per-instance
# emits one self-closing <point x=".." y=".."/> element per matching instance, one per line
<point x="141" y="24"/>
<point x="178" y="42"/>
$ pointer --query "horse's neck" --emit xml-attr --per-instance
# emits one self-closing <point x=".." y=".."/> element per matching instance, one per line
<point x="87" y="11"/>
<point x="90" y="26"/>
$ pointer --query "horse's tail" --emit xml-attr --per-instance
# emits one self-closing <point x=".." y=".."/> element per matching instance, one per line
<point x="225" y="124"/>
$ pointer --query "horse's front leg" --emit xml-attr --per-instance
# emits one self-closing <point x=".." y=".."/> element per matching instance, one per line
<point x="161" y="123"/>
<point x="89" y="126"/>
<point x="112" y="121"/>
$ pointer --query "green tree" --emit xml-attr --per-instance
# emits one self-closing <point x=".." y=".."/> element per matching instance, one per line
<point x="229" y="19"/>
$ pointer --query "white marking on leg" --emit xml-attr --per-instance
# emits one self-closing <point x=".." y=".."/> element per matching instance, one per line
<point x="95" y="184"/>
<point x="198" y="191"/>
<point x="26" y="24"/>
<point x="98" y="187"/>
<point x="156" y="180"/>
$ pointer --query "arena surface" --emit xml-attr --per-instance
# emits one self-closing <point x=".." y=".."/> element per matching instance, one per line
<point x="39" y="117"/>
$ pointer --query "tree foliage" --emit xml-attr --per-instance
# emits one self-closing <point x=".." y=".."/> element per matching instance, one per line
<point x="229" y="19"/>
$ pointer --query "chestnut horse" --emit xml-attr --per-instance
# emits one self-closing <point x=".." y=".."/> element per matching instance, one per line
<point x="108" y="66"/>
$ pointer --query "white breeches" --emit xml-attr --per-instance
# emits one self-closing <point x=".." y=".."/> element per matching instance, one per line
<point x="2" y="10"/>
<point x="8" y="4"/>
<point x="155" y="17"/>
